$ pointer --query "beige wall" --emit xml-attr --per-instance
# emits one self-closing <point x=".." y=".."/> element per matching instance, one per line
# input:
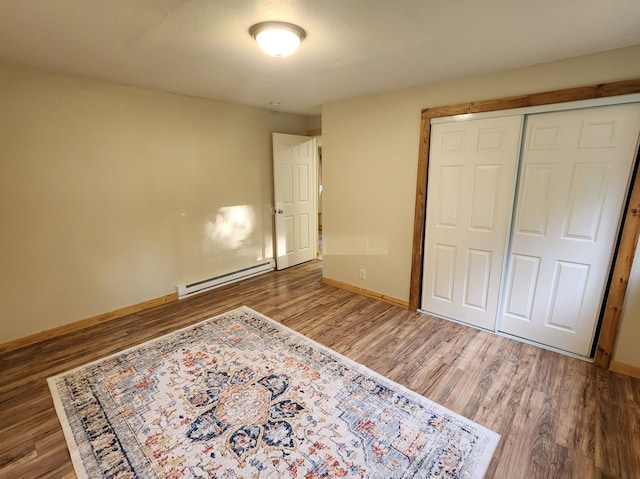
<point x="110" y="195"/>
<point x="370" y="150"/>
<point x="627" y="348"/>
<point x="314" y="122"/>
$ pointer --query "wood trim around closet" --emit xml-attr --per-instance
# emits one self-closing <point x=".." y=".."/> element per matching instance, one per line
<point x="631" y="221"/>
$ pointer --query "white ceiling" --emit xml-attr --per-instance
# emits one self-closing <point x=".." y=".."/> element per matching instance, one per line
<point x="353" y="47"/>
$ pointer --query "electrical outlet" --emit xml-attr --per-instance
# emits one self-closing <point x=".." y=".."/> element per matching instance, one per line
<point x="363" y="274"/>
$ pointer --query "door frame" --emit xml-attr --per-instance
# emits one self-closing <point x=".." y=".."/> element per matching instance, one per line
<point x="630" y="228"/>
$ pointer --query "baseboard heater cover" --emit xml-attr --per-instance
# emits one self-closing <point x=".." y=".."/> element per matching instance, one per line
<point x="189" y="289"/>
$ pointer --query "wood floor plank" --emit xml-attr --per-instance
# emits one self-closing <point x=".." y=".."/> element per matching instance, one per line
<point x="576" y="428"/>
<point x="546" y="460"/>
<point x="515" y="452"/>
<point x="548" y="372"/>
<point x="559" y="417"/>
<point x="485" y="373"/>
<point x="617" y="415"/>
<point x="503" y="398"/>
<point x="582" y="466"/>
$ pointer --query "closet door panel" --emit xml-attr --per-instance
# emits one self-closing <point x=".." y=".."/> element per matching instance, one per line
<point x="476" y="279"/>
<point x="444" y="272"/>
<point x="521" y="287"/>
<point x="533" y="215"/>
<point x="449" y="197"/>
<point x="472" y="171"/>
<point x="568" y="290"/>
<point x="483" y="204"/>
<point x="575" y="168"/>
<point x="586" y="200"/>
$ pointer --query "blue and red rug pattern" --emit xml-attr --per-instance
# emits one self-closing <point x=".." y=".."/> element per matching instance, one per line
<point x="242" y="396"/>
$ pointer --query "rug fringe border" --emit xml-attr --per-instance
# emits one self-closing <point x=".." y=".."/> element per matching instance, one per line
<point x="72" y="445"/>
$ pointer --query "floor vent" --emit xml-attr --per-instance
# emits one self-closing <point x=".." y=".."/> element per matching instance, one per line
<point x="189" y="289"/>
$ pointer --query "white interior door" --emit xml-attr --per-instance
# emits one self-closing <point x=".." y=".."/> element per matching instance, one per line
<point x="574" y="176"/>
<point x="294" y="178"/>
<point x="472" y="171"/>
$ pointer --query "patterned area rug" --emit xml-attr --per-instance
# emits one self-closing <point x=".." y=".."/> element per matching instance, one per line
<point x="242" y="396"/>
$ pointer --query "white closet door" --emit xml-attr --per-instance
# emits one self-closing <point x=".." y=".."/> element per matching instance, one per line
<point x="472" y="171"/>
<point x="573" y="181"/>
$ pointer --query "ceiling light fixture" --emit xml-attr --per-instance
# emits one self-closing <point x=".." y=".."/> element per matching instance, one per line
<point x="278" y="39"/>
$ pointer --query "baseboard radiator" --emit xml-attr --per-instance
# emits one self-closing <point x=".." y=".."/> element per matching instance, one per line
<point x="189" y="289"/>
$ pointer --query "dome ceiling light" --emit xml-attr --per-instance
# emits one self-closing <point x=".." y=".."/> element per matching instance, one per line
<point x="278" y="39"/>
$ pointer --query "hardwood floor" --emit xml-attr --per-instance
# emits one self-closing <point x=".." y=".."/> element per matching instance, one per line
<point x="559" y="417"/>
